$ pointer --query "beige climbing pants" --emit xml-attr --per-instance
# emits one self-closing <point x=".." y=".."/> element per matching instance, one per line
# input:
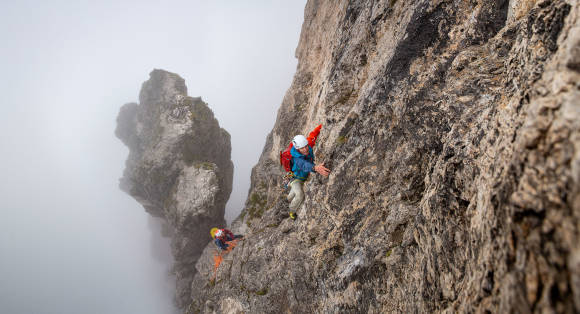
<point x="296" y="195"/>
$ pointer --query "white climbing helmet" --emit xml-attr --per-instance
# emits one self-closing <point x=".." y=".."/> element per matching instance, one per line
<point x="219" y="233"/>
<point x="299" y="141"/>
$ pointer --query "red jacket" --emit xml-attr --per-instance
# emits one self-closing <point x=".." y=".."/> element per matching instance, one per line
<point x="227" y="235"/>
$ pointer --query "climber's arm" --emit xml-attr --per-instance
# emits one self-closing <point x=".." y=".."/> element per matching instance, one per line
<point x="303" y="165"/>
<point x="314" y="135"/>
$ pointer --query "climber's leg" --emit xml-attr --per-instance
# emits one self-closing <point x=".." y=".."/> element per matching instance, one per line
<point x="290" y="195"/>
<point x="297" y="191"/>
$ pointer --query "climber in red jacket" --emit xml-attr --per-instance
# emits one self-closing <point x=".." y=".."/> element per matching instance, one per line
<point x="222" y="237"/>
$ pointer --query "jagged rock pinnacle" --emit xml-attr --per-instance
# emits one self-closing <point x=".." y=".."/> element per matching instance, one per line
<point x="178" y="167"/>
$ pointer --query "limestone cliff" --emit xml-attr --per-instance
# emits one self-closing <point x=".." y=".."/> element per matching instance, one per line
<point x="178" y="168"/>
<point x="452" y="128"/>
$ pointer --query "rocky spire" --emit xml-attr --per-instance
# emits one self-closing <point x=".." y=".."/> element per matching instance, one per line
<point x="178" y="167"/>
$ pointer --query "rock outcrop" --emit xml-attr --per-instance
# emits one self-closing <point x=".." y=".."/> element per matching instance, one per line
<point x="178" y="168"/>
<point x="452" y="129"/>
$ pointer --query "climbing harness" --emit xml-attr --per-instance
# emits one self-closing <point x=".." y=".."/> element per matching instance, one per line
<point x="288" y="177"/>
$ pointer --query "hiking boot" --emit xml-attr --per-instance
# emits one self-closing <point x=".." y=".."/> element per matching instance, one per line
<point x="293" y="215"/>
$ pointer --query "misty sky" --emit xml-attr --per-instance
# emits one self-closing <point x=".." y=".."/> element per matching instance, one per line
<point x="70" y="240"/>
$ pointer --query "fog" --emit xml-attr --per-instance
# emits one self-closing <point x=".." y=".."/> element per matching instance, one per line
<point x="70" y="240"/>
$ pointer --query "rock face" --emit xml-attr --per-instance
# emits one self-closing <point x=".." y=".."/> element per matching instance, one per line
<point x="452" y="129"/>
<point x="178" y="168"/>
